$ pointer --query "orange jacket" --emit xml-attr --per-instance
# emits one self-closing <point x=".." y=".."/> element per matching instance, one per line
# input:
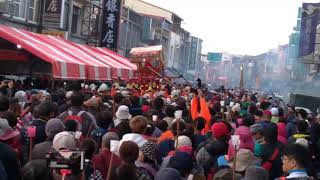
<point x="204" y="111"/>
<point x="166" y="135"/>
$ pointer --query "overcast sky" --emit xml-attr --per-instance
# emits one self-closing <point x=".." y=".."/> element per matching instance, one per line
<point x="237" y="26"/>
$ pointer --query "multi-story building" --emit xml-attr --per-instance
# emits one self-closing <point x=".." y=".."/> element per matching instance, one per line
<point x="76" y="20"/>
<point x="194" y="60"/>
<point x="159" y="26"/>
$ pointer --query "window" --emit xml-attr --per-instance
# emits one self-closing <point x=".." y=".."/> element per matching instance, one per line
<point x="75" y="19"/>
<point x="33" y="9"/>
<point x="24" y="9"/>
<point x="17" y="8"/>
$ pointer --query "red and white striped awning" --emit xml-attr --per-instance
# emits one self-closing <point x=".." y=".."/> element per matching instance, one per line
<point x="118" y="70"/>
<point x="69" y="60"/>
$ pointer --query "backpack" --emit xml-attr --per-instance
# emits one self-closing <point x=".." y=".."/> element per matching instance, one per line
<point x="76" y="117"/>
<point x="97" y="135"/>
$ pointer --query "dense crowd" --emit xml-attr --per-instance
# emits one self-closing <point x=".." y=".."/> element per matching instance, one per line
<point x="116" y="131"/>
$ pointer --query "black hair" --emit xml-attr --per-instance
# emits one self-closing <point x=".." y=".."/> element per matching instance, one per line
<point x="170" y="110"/>
<point x="182" y="128"/>
<point x="252" y="109"/>
<point x="124" y="171"/>
<point x="270" y="134"/>
<point x="104" y="119"/>
<point x="302" y="126"/>
<point x="248" y="120"/>
<point x="46" y="109"/>
<point x="281" y="112"/>
<point x="303" y="113"/>
<point x="71" y="125"/>
<point x="89" y="147"/>
<point x="158" y="103"/>
<point x="4" y="103"/>
<point x="126" y="102"/>
<point x="162" y="125"/>
<point x="299" y="153"/>
<point x="36" y="169"/>
<point x="258" y="113"/>
<point x="118" y="98"/>
<point x="11" y="118"/>
<point x="77" y="99"/>
<point x="199" y="123"/>
<point x="135" y="101"/>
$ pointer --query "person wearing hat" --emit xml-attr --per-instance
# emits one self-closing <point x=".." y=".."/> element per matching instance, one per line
<point x="64" y="141"/>
<point x="120" y="124"/>
<point x="214" y="147"/>
<point x="148" y="158"/>
<point x="103" y="89"/>
<point x="53" y="127"/>
<point x="181" y="144"/>
<point x="244" y="159"/>
<point x="243" y="131"/>
<point x="10" y="136"/>
<point x="182" y="162"/>
<point x="275" y="115"/>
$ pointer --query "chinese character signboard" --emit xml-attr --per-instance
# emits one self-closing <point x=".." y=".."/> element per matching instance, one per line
<point x="214" y="56"/>
<point x="110" y="25"/>
<point x="309" y="22"/>
<point x="52" y="13"/>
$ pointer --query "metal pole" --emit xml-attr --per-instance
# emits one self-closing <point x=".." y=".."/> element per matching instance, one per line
<point x="241" y="77"/>
<point x="41" y="8"/>
<point x="127" y="29"/>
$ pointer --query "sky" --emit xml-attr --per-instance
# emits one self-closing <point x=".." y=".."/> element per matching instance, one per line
<point x="242" y="27"/>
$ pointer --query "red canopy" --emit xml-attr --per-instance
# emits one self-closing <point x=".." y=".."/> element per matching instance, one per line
<point x="69" y="60"/>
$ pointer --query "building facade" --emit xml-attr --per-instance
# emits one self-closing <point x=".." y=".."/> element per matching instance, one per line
<point x="76" y="20"/>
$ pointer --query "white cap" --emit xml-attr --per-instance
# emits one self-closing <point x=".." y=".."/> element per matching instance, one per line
<point x="103" y="87"/>
<point x="123" y="112"/>
<point x="274" y="111"/>
<point x="64" y="140"/>
<point x="69" y="94"/>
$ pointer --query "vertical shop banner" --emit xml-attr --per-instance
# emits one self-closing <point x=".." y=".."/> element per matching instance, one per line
<point x="52" y="13"/>
<point x="111" y="23"/>
<point x="309" y="22"/>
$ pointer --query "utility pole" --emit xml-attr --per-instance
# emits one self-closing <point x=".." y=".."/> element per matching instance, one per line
<point x="41" y="10"/>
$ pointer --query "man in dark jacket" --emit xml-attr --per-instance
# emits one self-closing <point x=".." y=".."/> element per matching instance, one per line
<point x="9" y="160"/>
<point x="271" y="152"/>
<point x="101" y="161"/>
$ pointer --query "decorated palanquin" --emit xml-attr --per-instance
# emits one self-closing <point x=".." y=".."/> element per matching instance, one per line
<point x="150" y="66"/>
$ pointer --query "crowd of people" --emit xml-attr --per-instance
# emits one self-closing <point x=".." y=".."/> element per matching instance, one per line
<point x="118" y="132"/>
